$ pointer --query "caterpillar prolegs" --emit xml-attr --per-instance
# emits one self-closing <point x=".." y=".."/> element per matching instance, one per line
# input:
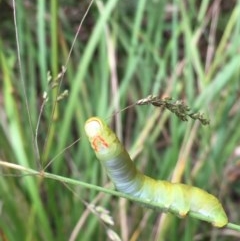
<point x="177" y="198"/>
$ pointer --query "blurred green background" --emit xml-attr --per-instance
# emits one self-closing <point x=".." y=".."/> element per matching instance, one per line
<point x="125" y="50"/>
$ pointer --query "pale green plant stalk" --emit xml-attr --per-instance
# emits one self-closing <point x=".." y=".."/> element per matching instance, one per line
<point x="71" y="181"/>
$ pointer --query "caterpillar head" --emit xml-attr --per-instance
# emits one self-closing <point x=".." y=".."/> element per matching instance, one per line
<point x="103" y="140"/>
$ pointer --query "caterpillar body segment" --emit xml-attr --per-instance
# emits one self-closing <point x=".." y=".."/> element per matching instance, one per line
<point x="177" y="198"/>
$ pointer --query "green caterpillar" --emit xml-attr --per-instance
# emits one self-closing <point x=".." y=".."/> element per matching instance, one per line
<point x="177" y="198"/>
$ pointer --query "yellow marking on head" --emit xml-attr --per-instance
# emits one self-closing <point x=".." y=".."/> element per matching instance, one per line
<point x="93" y="127"/>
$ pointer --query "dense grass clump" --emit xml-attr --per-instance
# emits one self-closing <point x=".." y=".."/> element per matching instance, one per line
<point x="123" y="51"/>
